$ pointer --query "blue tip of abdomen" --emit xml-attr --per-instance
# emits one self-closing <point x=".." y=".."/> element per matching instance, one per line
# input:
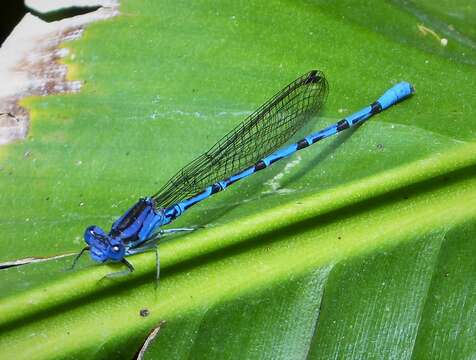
<point x="395" y="94"/>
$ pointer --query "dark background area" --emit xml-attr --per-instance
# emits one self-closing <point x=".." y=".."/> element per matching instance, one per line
<point x="12" y="11"/>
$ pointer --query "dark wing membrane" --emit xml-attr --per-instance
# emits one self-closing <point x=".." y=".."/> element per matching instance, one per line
<point x="269" y="127"/>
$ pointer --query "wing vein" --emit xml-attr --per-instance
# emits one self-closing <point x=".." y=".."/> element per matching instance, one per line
<point x="262" y="132"/>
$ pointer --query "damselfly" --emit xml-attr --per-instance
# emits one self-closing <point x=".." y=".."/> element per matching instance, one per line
<point x="250" y="147"/>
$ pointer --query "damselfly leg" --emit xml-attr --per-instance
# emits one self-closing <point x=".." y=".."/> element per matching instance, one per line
<point x="76" y="258"/>
<point x="116" y="274"/>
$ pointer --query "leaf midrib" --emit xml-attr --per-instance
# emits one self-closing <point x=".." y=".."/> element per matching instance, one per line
<point x="209" y="241"/>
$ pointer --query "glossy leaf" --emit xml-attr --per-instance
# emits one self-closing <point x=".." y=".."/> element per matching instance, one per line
<point x="357" y="247"/>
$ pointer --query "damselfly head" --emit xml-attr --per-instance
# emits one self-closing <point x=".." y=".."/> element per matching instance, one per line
<point x="102" y="246"/>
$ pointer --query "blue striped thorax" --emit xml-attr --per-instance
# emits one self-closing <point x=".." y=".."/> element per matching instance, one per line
<point x="127" y="232"/>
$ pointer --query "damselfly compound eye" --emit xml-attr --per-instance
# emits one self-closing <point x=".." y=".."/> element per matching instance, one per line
<point x="115" y="248"/>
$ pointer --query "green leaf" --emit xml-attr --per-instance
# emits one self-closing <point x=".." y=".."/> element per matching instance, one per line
<point x="360" y="247"/>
